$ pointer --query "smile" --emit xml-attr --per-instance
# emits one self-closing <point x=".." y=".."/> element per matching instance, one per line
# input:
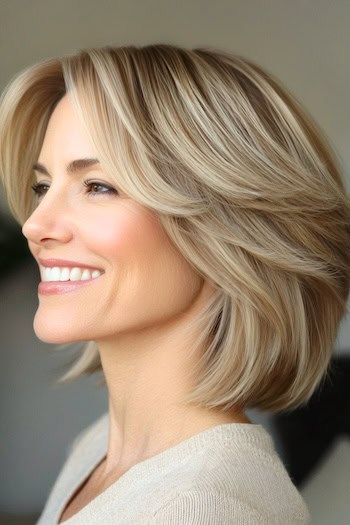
<point x="61" y="274"/>
<point x="52" y="287"/>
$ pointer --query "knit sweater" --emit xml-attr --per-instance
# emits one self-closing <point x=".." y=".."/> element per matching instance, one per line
<point x="229" y="474"/>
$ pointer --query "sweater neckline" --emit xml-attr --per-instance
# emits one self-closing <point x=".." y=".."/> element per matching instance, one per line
<point x="231" y="434"/>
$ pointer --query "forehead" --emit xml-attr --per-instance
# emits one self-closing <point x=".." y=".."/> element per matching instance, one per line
<point x="65" y="135"/>
<point x="64" y="111"/>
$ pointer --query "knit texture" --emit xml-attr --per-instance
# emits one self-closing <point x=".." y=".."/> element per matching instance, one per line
<point x="229" y="474"/>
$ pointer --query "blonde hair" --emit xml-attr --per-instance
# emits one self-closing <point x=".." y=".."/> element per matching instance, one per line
<point x="245" y="186"/>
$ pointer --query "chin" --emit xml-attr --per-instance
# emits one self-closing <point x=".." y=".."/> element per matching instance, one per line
<point x="57" y="329"/>
<point x="52" y="338"/>
<point x="53" y="334"/>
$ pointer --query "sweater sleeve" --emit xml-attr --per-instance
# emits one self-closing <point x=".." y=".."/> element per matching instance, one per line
<point x="203" y="508"/>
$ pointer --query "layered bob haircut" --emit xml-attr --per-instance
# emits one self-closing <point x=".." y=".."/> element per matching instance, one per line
<point x="244" y="184"/>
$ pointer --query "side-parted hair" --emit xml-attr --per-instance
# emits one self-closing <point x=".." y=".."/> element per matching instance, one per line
<point x="245" y="185"/>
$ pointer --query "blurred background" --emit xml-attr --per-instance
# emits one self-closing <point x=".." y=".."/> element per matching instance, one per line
<point x="305" y="44"/>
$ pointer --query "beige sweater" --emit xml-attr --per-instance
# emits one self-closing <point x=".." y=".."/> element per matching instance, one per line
<point x="229" y="474"/>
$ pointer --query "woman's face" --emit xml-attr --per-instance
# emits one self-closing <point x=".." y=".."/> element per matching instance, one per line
<point x="143" y="282"/>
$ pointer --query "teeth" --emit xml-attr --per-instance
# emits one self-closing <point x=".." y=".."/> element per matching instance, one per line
<point x="85" y="275"/>
<point x="55" y="274"/>
<point x="64" y="274"/>
<point x="75" y="274"/>
<point x="68" y="274"/>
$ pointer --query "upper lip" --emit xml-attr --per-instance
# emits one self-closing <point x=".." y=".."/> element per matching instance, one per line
<point x="66" y="264"/>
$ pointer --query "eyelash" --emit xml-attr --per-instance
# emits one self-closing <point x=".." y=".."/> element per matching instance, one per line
<point x="38" y="187"/>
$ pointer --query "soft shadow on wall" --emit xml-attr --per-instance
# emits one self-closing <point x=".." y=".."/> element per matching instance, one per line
<point x="13" y="246"/>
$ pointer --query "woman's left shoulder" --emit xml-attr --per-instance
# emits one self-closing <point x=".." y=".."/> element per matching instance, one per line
<point x="195" y="507"/>
<point x="234" y="477"/>
<point x="247" y="473"/>
<point x="238" y="477"/>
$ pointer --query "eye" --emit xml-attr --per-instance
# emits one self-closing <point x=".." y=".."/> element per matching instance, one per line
<point x="96" y="186"/>
<point x="38" y="188"/>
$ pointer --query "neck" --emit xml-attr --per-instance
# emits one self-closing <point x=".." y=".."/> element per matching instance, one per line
<point x="147" y="376"/>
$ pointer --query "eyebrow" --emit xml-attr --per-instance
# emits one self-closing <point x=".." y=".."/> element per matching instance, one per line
<point x="73" y="167"/>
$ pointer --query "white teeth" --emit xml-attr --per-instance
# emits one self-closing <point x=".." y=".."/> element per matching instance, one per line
<point x="55" y="274"/>
<point x="65" y="274"/>
<point x="75" y="274"/>
<point x="85" y="275"/>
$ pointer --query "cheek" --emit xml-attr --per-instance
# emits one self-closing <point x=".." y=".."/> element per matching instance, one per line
<point x="135" y="246"/>
<point x="127" y="234"/>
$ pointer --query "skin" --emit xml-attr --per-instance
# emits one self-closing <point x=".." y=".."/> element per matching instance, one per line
<point x="137" y="311"/>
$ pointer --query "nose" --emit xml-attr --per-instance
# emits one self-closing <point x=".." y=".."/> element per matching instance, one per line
<point x="48" y="223"/>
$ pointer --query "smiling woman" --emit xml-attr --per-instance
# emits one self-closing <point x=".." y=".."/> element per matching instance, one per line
<point x="190" y="222"/>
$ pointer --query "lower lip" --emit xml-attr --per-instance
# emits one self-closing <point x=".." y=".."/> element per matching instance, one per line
<point x="57" y="287"/>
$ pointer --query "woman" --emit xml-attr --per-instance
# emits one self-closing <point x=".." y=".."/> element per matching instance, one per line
<point x="189" y="221"/>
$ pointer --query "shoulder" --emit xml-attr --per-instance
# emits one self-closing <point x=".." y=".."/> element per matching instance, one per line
<point x="251" y="479"/>
<point x="238" y="478"/>
<point x="205" y="508"/>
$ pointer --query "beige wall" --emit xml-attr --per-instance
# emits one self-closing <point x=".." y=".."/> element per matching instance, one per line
<point x="305" y="43"/>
